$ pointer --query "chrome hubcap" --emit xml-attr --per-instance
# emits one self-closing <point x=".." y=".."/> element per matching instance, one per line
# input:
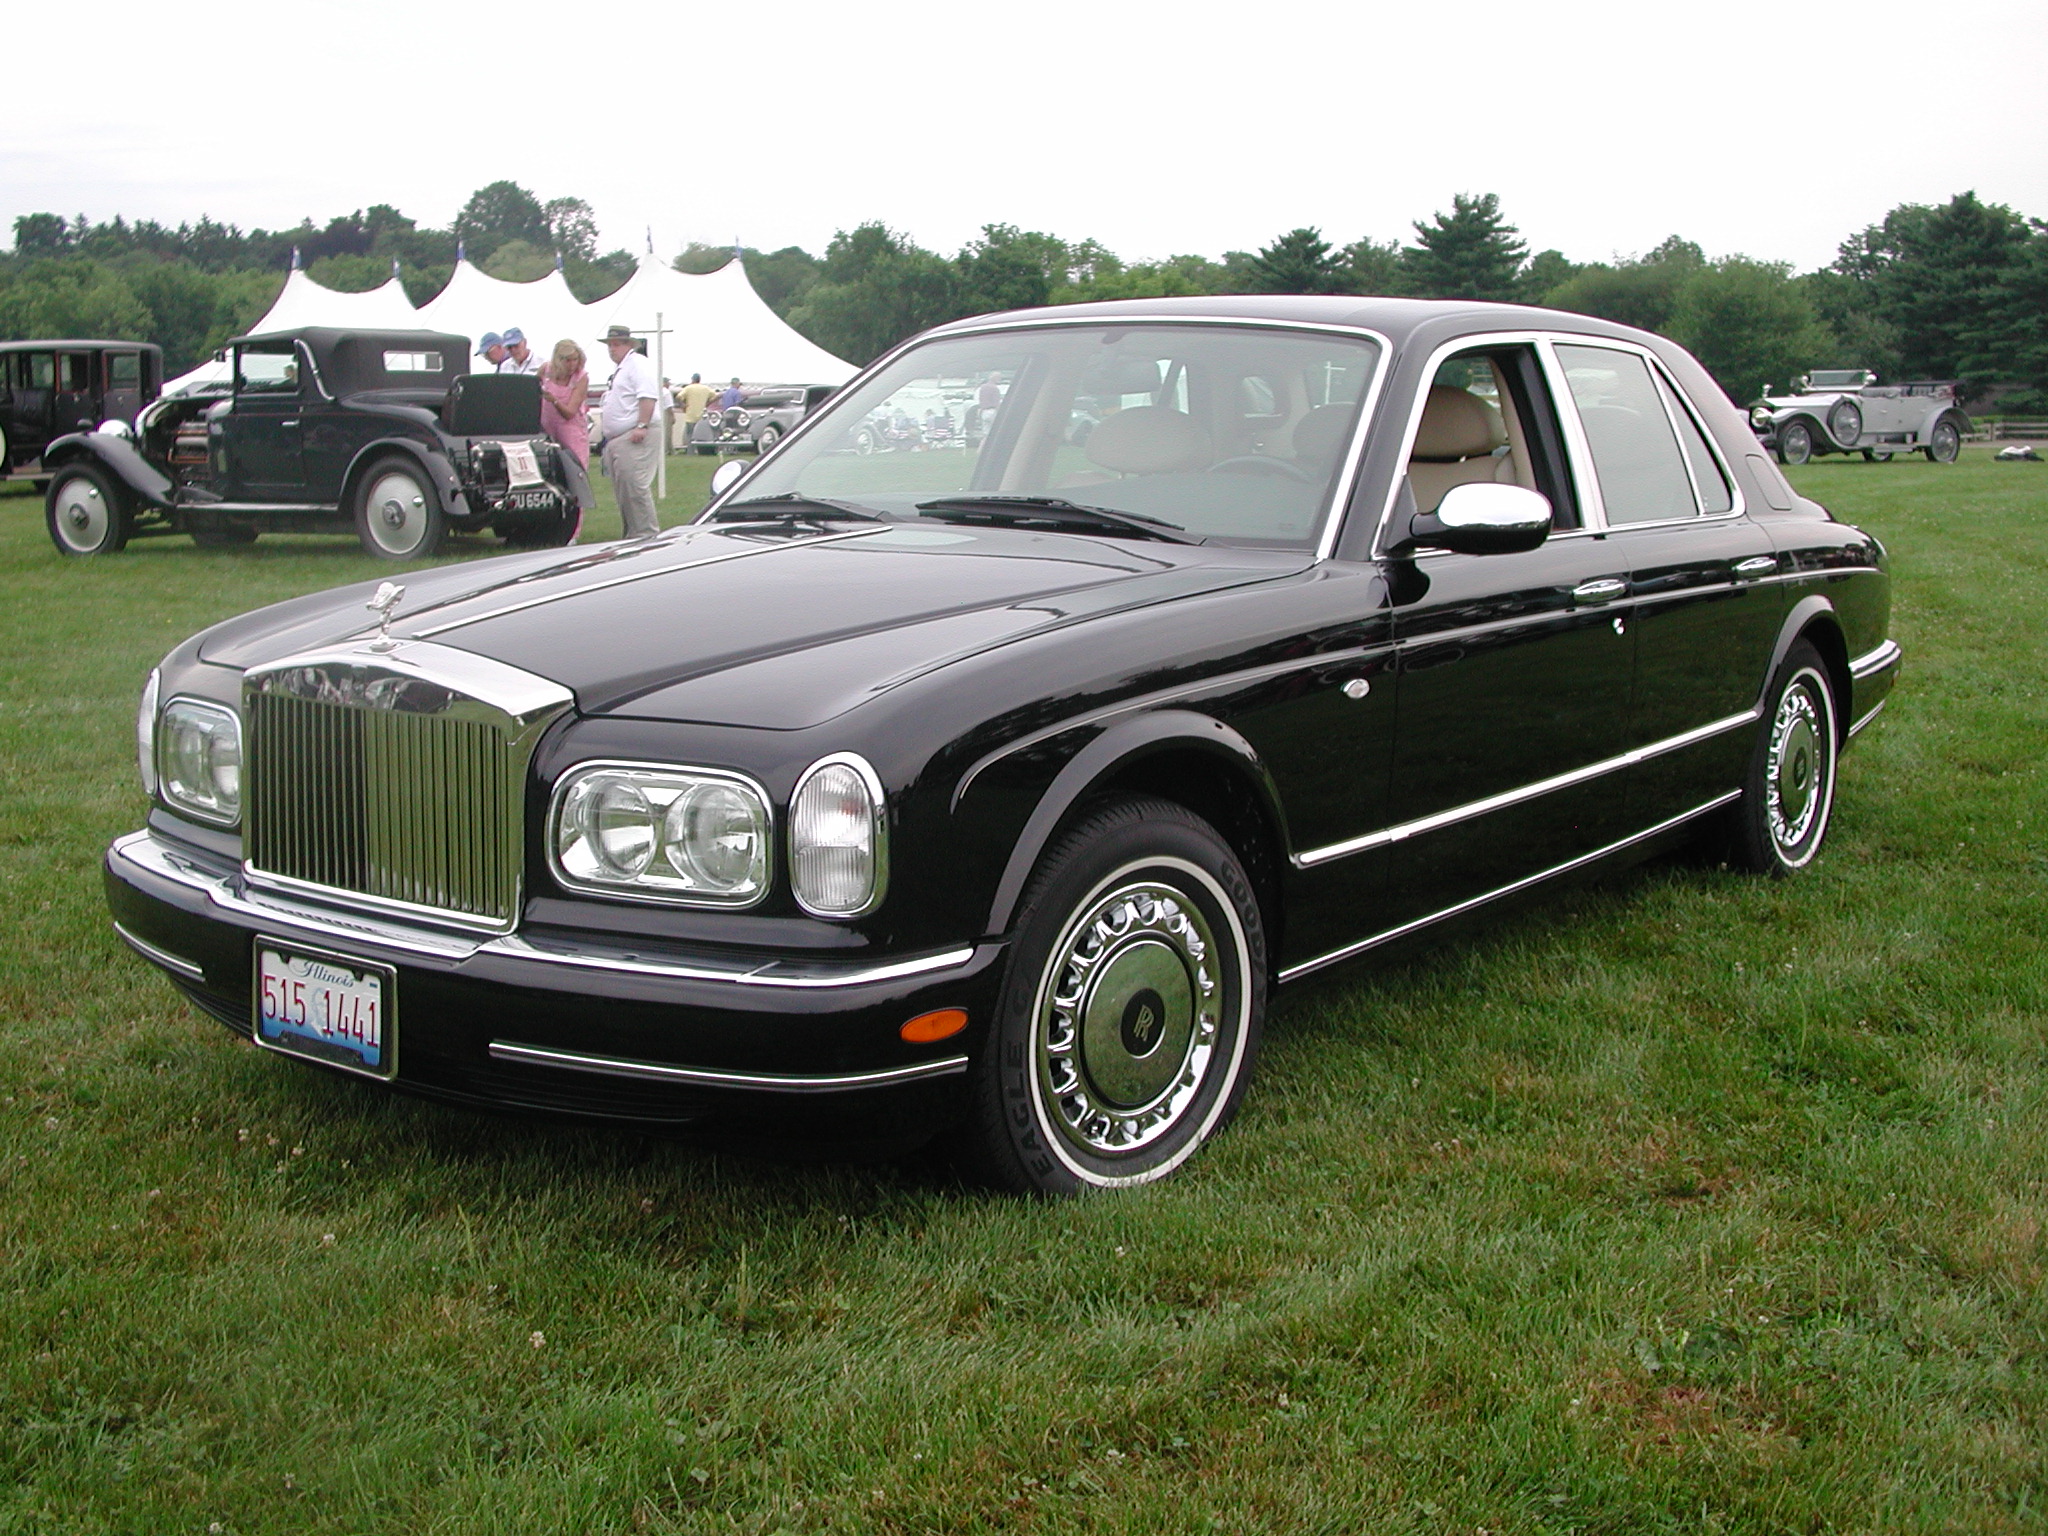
<point x="1130" y="1018"/>
<point x="397" y="511"/>
<point x="82" y="513"/>
<point x="1795" y="768"/>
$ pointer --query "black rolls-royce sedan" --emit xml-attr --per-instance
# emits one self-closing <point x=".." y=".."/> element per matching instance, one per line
<point x="998" y="784"/>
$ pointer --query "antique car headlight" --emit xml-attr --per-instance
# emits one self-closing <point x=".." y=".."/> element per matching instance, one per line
<point x="838" y="848"/>
<point x="1760" y="417"/>
<point x="199" y="760"/>
<point x="677" y="834"/>
<point x="145" y="731"/>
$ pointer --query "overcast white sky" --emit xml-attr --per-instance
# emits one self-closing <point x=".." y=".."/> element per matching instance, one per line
<point x="1773" y="129"/>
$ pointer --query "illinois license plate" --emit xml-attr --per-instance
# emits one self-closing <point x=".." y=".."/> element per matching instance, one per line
<point x="325" y="1007"/>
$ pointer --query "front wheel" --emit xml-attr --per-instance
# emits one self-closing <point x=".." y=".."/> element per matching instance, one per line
<point x="1795" y="443"/>
<point x="398" y="516"/>
<point x="1789" y="792"/>
<point x="86" y="512"/>
<point x="770" y="436"/>
<point x="1944" y="443"/>
<point x="1132" y="1006"/>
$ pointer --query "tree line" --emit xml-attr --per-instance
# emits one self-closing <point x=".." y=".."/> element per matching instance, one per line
<point x="1955" y="290"/>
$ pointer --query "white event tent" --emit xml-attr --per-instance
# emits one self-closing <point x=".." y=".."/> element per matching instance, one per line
<point x="715" y="325"/>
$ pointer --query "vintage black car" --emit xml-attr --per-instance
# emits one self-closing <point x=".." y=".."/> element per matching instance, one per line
<point x="49" y="389"/>
<point x="999" y="787"/>
<point x="321" y="430"/>
<point x="766" y="414"/>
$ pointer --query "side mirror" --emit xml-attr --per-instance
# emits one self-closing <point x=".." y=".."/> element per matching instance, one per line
<point x="725" y="476"/>
<point x="1482" y="518"/>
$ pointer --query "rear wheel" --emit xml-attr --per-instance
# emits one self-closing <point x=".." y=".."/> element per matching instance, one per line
<point x="86" y="512"/>
<point x="1131" y="1009"/>
<point x="1789" y="794"/>
<point x="1944" y="443"/>
<point x="398" y="516"/>
<point x="1795" y="443"/>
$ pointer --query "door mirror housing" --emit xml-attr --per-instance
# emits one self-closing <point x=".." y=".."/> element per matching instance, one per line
<point x="1482" y="518"/>
<point x="726" y="476"/>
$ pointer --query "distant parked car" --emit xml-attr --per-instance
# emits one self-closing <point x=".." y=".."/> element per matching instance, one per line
<point x="51" y="388"/>
<point x="765" y="415"/>
<point x="319" y="430"/>
<point x="1846" y="410"/>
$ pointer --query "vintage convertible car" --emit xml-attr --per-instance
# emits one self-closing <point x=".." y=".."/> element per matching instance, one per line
<point x="321" y="430"/>
<point x="998" y="788"/>
<point x="1846" y="410"/>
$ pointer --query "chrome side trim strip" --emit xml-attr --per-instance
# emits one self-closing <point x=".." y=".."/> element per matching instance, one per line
<point x="1871" y="662"/>
<point x="1874" y="711"/>
<point x="1390" y="934"/>
<point x="1457" y="813"/>
<point x="188" y="969"/>
<point x="145" y="853"/>
<point x="773" y="1082"/>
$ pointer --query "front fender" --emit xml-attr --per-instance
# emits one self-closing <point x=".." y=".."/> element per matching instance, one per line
<point x="439" y="471"/>
<point x="118" y="457"/>
<point x="1116" y="748"/>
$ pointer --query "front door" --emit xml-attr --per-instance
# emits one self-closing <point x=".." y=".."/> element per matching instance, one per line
<point x="76" y="405"/>
<point x="121" y="395"/>
<point x="261" y="432"/>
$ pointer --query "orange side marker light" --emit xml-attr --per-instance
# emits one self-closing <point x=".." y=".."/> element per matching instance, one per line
<point x="939" y="1025"/>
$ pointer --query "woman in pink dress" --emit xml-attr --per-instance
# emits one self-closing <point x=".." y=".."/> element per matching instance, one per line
<point x="564" y="396"/>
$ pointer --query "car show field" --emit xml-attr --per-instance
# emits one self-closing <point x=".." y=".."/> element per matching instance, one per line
<point x="1686" y="1200"/>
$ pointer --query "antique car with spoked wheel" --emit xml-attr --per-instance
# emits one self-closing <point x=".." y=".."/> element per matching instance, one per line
<point x="321" y="430"/>
<point x="997" y="790"/>
<point x="1846" y="410"/>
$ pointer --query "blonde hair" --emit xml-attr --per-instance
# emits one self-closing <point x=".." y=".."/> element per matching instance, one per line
<point x="567" y="361"/>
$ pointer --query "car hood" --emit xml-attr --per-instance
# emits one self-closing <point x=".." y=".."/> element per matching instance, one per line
<point x="780" y="628"/>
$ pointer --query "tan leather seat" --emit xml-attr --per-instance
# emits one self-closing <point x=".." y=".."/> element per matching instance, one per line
<point x="1454" y="446"/>
<point x="1319" y="437"/>
<point x="1149" y="440"/>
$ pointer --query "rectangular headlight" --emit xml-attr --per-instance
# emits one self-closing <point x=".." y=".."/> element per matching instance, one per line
<point x="691" y="835"/>
<point x="199" y="760"/>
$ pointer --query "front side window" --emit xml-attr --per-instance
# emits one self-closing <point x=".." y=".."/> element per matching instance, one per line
<point x="1636" y="457"/>
<point x="124" y="370"/>
<point x="1231" y="433"/>
<point x="268" y="372"/>
<point x="77" y="372"/>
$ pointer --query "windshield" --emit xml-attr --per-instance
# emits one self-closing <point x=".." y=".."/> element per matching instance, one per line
<point x="1232" y="433"/>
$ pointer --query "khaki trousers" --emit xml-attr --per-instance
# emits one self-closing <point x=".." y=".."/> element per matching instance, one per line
<point x="631" y="466"/>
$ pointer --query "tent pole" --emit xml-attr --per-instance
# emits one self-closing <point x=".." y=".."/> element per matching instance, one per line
<point x="661" y="379"/>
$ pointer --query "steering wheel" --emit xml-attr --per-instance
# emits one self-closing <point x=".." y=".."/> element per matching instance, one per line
<point x="1262" y="464"/>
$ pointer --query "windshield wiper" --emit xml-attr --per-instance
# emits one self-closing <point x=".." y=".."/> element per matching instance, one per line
<point x="1053" y="511"/>
<point x="790" y="504"/>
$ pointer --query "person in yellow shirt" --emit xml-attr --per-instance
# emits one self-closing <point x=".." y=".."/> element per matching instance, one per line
<point x="693" y="397"/>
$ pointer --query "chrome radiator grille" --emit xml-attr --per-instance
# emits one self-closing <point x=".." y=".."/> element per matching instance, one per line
<point x="381" y="779"/>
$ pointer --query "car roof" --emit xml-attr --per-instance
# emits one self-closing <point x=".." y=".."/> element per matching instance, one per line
<point x="75" y="341"/>
<point x="323" y="338"/>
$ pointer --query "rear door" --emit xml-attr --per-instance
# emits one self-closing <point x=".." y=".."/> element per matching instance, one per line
<point x="34" y="376"/>
<point x="75" y="405"/>
<point x="1704" y="601"/>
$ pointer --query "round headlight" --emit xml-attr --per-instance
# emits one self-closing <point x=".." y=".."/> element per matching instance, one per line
<point x="145" y="731"/>
<point x="836" y="850"/>
<point x="1760" y="417"/>
<point x="619" y="826"/>
<point x="199" y="760"/>
<point x="714" y="837"/>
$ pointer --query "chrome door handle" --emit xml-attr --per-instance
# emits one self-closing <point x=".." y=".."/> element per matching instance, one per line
<point x="1605" y="590"/>
<point x="292" y="423"/>
<point x="1762" y="565"/>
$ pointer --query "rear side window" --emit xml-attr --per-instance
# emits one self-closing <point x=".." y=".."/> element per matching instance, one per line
<point x="1707" y="478"/>
<point x="1636" y="457"/>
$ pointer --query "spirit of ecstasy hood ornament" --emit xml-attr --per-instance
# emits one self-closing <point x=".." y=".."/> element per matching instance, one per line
<point x="389" y="595"/>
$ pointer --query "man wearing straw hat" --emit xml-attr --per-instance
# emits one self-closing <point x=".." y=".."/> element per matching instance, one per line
<point x="632" y="448"/>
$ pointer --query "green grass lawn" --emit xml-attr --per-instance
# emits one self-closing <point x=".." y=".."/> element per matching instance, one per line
<point x="1687" y="1202"/>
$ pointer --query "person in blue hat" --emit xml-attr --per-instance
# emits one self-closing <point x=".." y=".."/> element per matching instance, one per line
<point x="491" y="348"/>
<point x="519" y="357"/>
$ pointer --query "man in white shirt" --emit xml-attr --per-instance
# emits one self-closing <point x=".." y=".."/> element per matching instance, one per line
<point x="519" y="358"/>
<point x="632" y="447"/>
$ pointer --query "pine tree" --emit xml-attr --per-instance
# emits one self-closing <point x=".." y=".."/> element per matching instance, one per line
<point x="1469" y="253"/>
<point x="1300" y="261"/>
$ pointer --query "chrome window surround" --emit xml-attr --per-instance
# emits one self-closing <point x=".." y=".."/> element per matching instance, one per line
<point x="369" y="678"/>
<point x="1578" y="453"/>
<point x="567" y="780"/>
<point x="178" y="807"/>
<point x="879" y="802"/>
<point x="1354" y="455"/>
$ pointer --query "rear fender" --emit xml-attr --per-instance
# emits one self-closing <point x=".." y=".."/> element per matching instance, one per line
<point x="434" y="464"/>
<point x="1813" y="618"/>
<point x="149" y="485"/>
